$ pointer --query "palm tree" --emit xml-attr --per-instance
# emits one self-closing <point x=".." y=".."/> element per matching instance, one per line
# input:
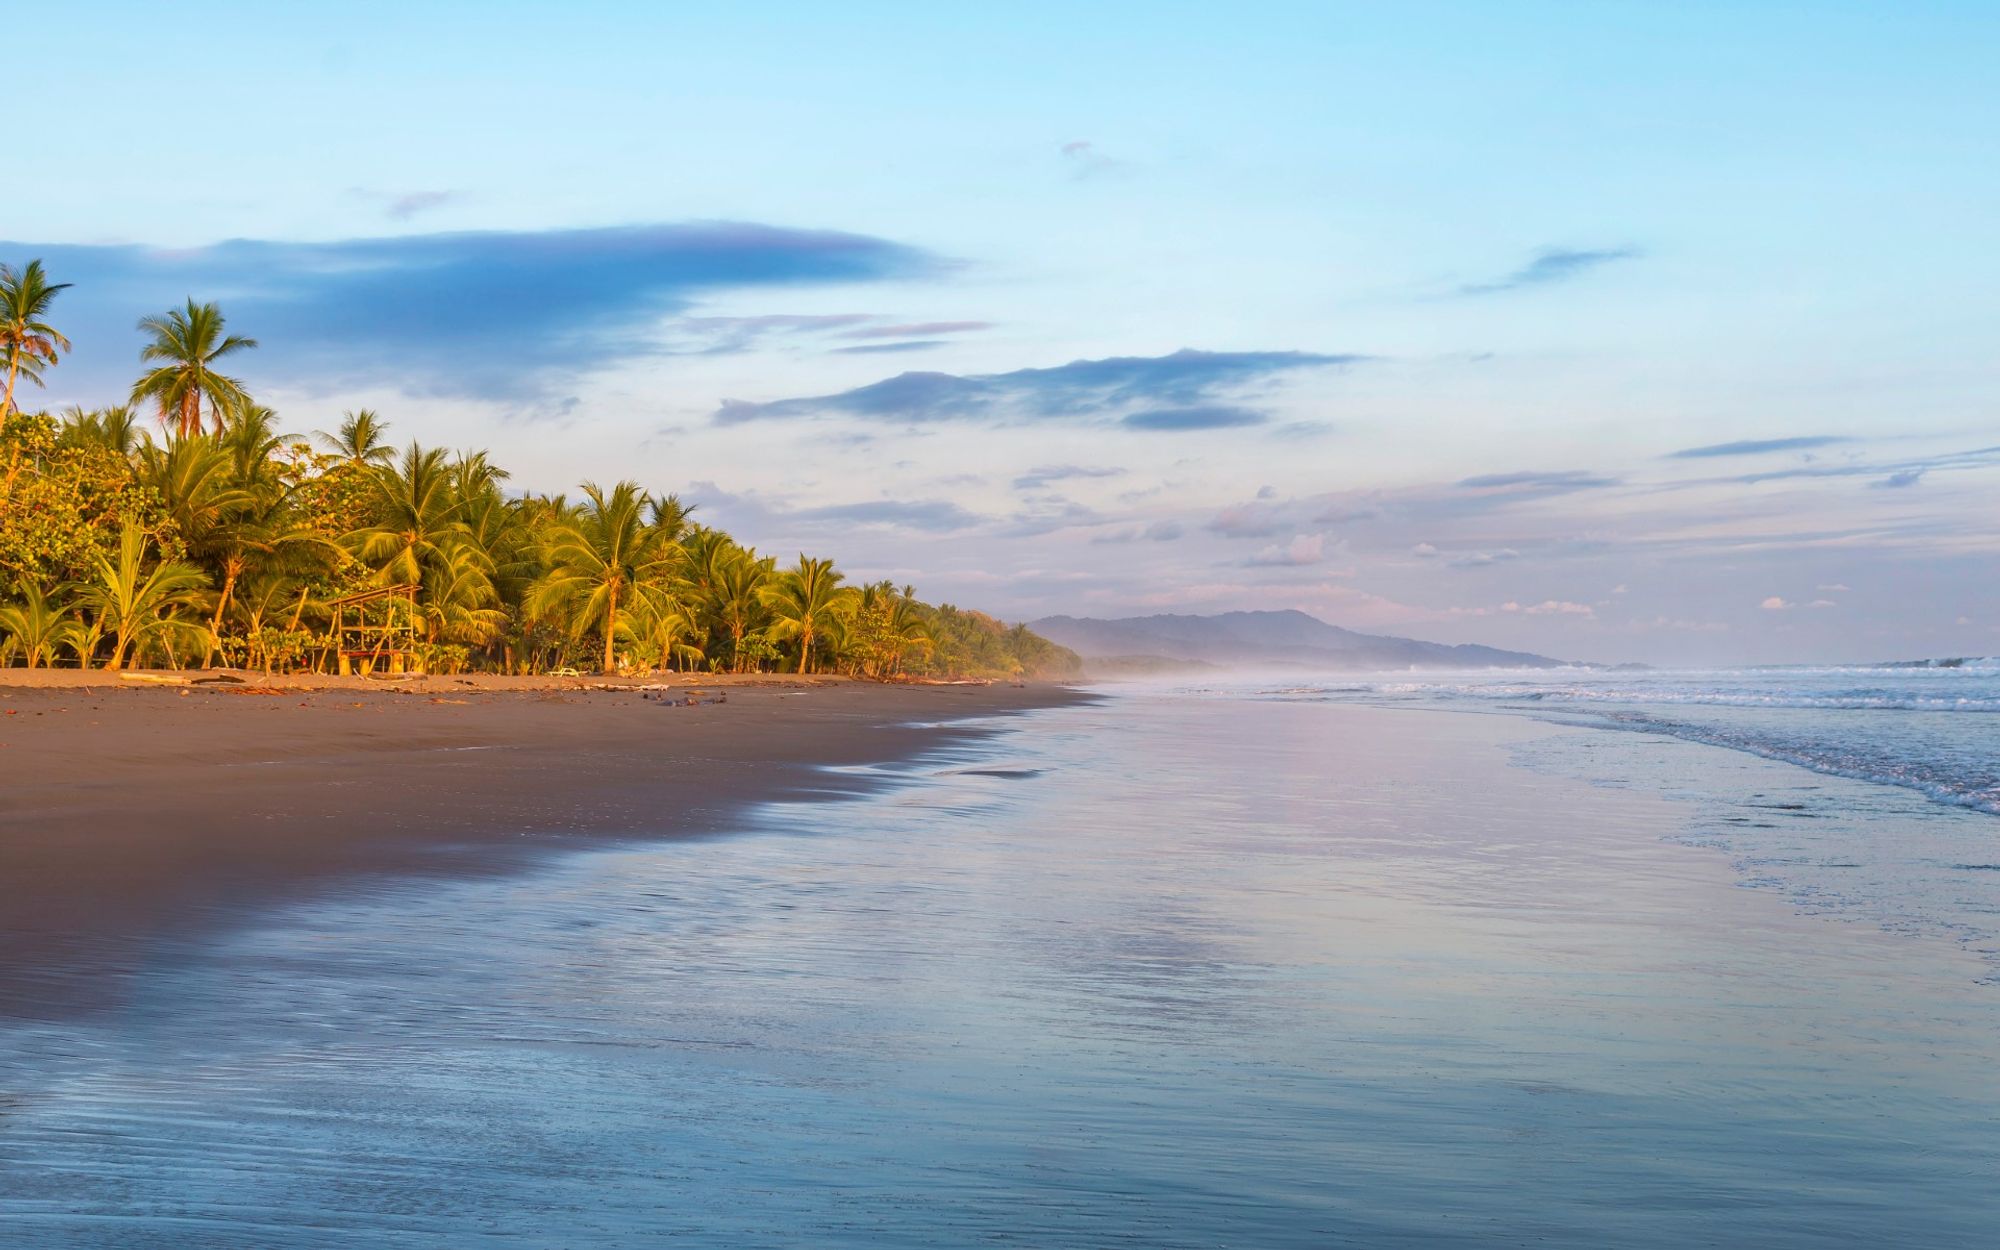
<point x="188" y="343"/>
<point x="806" y="602"/>
<point x="359" y="440"/>
<point x="115" y="429"/>
<point x="736" y="578"/>
<point x="606" y="560"/>
<point x="251" y="435"/>
<point x="36" y="625"/>
<point x="29" y="343"/>
<point x="417" y="514"/>
<point x="665" y="630"/>
<point x="458" y="597"/>
<point x="132" y="604"/>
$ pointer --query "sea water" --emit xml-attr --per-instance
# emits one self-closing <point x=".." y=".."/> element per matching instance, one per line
<point x="1225" y="967"/>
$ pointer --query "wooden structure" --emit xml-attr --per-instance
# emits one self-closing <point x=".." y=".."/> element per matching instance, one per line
<point x="360" y="644"/>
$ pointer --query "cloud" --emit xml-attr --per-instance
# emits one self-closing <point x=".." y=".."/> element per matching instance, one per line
<point x="1163" y="531"/>
<point x="1249" y="520"/>
<point x="1179" y="391"/>
<point x="1757" y="446"/>
<point x="932" y="515"/>
<point x="753" y="515"/>
<point x="917" y="329"/>
<point x="1550" y="607"/>
<point x="1833" y="586"/>
<point x="1479" y="559"/>
<point x="1302" y="550"/>
<point x="1552" y="482"/>
<point x="1776" y="604"/>
<point x="873" y="349"/>
<point x="409" y="204"/>
<point x="1086" y="160"/>
<point x="492" y="314"/>
<point x="1974" y="458"/>
<point x="1424" y="551"/>
<point x="1211" y="417"/>
<point x="1895" y="481"/>
<point x="1551" y="265"/>
<point x="717" y="336"/>
<point x="1035" y="479"/>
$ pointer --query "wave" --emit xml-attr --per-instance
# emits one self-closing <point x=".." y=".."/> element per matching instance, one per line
<point x="1898" y="728"/>
<point x="1874" y="700"/>
<point x="1935" y="781"/>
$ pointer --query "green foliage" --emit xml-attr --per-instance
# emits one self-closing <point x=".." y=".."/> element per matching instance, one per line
<point x="63" y="504"/>
<point x="229" y="539"/>
<point x="184" y="347"/>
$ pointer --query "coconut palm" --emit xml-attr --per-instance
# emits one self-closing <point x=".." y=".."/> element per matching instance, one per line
<point x="187" y="343"/>
<point x="195" y="478"/>
<point x="603" y="563"/>
<point x="266" y="535"/>
<point x="28" y="343"/>
<point x="664" y="632"/>
<point x="805" y="602"/>
<point x="35" y="625"/>
<point x="135" y="605"/>
<point x="251" y="435"/>
<point x="360" y="439"/>
<point x="458" y="597"/>
<point x="417" y="514"/>
<point x="115" y="429"/>
<point x="737" y="578"/>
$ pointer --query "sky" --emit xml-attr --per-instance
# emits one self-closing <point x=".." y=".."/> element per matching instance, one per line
<point x="1611" y="331"/>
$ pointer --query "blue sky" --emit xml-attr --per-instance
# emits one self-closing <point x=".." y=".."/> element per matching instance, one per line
<point x="1615" y="331"/>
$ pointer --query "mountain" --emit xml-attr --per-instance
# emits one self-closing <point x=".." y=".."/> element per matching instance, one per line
<point x="1267" y="639"/>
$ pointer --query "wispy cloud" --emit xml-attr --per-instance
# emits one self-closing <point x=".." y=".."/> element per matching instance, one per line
<point x="1539" y="481"/>
<point x="1086" y="160"/>
<point x="1898" y="480"/>
<point x="409" y="204"/>
<point x="505" y="315"/>
<point x="1757" y="446"/>
<point x="1895" y="472"/>
<point x="1181" y="391"/>
<point x="934" y="515"/>
<point x="1201" y="417"/>
<point x="918" y="329"/>
<point x="1551" y="265"/>
<point x="1304" y="549"/>
<point x="879" y="349"/>
<point x="1037" y="478"/>
<point x="757" y="517"/>
<point x="1480" y="559"/>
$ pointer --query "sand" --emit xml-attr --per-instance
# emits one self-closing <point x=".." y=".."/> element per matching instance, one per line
<point x="135" y="817"/>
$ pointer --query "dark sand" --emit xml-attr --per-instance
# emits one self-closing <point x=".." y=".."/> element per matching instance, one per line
<point x="134" y="819"/>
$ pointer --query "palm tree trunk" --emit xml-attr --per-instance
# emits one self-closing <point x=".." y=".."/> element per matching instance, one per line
<point x="610" y="627"/>
<point x="13" y="371"/>
<point x="805" y="648"/>
<point x="229" y="571"/>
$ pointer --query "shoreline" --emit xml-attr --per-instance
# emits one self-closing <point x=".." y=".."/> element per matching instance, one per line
<point x="136" y="817"/>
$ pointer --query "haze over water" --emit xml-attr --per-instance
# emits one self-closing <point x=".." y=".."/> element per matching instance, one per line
<point x="1240" y="967"/>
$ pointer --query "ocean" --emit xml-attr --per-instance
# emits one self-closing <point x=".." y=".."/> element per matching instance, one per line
<point x="1561" y="959"/>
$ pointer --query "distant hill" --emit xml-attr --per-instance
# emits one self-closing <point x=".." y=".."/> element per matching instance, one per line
<point x="1261" y="639"/>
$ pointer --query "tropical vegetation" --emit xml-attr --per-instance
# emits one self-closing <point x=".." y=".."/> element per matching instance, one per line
<point x="220" y="539"/>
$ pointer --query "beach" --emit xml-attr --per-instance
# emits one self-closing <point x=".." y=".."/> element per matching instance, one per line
<point x="133" y="816"/>
<point x="1155" y="967"/>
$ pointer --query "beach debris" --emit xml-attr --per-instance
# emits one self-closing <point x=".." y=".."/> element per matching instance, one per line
<point x="154" y="679"/>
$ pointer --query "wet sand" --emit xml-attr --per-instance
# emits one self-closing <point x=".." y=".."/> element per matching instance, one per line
<point x="136" y="818"/>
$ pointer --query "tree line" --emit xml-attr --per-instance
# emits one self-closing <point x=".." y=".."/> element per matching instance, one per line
<point x="224" y="540"/>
